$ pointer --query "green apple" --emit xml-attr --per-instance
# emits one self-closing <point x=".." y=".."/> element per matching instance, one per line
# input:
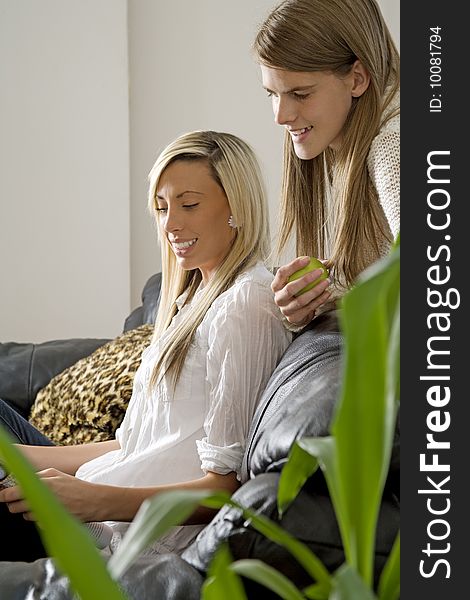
<point x="312" y="265"/>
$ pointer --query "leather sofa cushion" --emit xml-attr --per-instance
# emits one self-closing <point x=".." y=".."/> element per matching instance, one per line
<point x="26" y="368"/>
<point x="299" y="399"/>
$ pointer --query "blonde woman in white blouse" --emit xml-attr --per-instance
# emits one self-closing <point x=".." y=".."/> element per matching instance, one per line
<point x="331" y="69"/>
<point x="218" y="337"/>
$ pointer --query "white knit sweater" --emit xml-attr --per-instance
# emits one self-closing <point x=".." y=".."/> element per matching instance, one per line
<point x="383" y="163"/>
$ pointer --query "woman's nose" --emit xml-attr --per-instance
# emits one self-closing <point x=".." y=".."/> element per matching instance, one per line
<point x="173" y="221"/>
<point x="283" y="111"/>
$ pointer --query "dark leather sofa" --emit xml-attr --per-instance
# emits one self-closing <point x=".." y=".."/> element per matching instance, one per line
<point x="298" y="401"/>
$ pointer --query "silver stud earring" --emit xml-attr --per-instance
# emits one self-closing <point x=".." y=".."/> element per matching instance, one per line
<point x="231" y="222"/>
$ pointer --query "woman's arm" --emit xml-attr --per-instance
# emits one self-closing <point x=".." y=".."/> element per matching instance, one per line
<point x="96" y="502"/>
<point x="122" y="504"/>
<point x="65" y="458"/>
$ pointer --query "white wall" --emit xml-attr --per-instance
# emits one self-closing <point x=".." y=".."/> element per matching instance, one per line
<point x="191" y="68"/>
<point x="391" y="12"/>
<point x="89" y="97"/>
<point x="64" y="169"/>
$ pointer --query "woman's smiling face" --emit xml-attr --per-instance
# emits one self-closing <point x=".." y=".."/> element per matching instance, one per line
<point x="193" y="211"/>
<point x="312" y="106"/>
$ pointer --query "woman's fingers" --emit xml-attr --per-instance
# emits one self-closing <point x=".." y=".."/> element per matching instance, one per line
<point x="282" y="275"/>
<point x="301" y="309"/>
<point x="294" y="288"/>
<point x="79" y="497"/>
<point x="285" y="294"/>
<point x="13" y="498"/>
<point x="305" y="300"/>
<point x="75" y="494"/>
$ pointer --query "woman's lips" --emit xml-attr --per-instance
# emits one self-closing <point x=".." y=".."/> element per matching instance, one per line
<point x="181" y="248"/>
<point x="299" y="135"/>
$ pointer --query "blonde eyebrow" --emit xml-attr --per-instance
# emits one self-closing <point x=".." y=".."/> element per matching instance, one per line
<point x="181" y="194"/>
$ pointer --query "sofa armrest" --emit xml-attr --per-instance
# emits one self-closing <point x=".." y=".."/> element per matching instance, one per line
<point x="147" y="312"/>
<point x="26" y="368"/>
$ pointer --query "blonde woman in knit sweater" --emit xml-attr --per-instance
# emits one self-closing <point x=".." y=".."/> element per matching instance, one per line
<point x="332" y="72"/>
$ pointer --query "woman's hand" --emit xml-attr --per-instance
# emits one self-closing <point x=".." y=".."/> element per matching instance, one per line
<point x="79" y="497"/>
<point x="299" y="310"/>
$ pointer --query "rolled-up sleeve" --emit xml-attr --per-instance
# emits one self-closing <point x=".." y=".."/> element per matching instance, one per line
<point x="246" y="341"/>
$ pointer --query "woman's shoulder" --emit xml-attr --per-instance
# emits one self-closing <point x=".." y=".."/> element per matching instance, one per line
<point x="256" y="277"/>
<point x="385" y="148"/>
<point x="258" y="274"/>
<point x="391" y="127"/>
<point x="250" y="286"/>
<point x="246" y="310"/>
<point x="391" y="119"/>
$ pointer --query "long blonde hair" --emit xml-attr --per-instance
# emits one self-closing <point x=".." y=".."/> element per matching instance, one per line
<point x="234" y="166"/>
<point x="330" y="35"/>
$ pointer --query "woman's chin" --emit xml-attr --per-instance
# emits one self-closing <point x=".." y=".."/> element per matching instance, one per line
<point x="184" y="263"/>
<point x="304" y="153"/>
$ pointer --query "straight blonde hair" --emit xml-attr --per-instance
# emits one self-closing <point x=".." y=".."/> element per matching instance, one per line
<point x="330" y="35"/>
<point x="234" y="166"/>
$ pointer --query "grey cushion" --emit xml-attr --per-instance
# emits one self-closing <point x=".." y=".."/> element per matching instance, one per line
<point x="299" y="398"/>
<point x="167" y="577"/>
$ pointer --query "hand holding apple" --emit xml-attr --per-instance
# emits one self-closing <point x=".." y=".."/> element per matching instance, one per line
<point x="312" y="265"/>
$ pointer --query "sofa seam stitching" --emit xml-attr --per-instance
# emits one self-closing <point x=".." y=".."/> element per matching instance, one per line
<point x="30" y="374"/>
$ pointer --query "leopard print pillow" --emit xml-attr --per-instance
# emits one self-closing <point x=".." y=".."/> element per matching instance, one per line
<point x="87" y="401"/>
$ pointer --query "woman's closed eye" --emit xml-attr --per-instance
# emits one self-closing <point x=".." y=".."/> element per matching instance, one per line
<point x="163" y="209"/>
<point x="300" y="97"/>
<point x="295" y="95"/>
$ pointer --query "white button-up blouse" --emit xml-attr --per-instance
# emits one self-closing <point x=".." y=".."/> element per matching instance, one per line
<point x="170" y="436"/>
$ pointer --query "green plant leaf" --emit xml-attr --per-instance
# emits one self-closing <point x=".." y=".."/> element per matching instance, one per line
<point x="364" y="421"/>
<point x="324" y="449"/>
<point x="298" y="468"/>
<point x="393" y="363"/>
<point x="64" y="537"/>
<point x="222" y="581"/>
<point x="348" y="585"/>
<point x="270" y="578"/>
<point x="316" y="592"/>
<point x="154" y="518"/>
<point x="389" y="583"/>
